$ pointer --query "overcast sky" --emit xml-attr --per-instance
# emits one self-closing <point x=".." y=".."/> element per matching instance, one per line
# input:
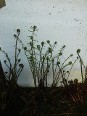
<point x="62" y="20"/>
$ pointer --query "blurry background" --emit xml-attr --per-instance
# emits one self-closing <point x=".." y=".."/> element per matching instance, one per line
<point x="64" y="21"/>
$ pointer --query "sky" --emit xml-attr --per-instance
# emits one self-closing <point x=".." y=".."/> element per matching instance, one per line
<point x="64" y="21"/>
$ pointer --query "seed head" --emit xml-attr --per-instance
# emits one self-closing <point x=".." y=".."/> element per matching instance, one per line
<point x="78" y="51"/>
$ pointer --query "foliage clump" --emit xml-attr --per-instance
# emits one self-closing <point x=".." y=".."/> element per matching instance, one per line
<point x="42" y="60"/>
<point x="68" y="98"/>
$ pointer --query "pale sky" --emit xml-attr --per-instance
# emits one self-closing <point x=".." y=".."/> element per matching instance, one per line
<point x="64" y="21"/>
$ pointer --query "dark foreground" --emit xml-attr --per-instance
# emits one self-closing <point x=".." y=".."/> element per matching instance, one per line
<point x="70" y="100"/>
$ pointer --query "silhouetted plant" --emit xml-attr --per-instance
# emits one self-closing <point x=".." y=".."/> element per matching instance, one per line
<point x="42" y="60"/>
<point x="81" y="64"/>
<point x="11" y="77"/>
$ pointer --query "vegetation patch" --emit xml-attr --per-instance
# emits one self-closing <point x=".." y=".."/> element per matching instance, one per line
<point x="66" y="99"/>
